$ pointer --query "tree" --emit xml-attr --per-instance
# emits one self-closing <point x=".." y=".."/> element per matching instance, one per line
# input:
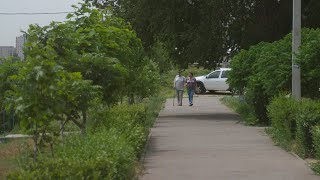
<point x="264" y="71"/>
<point x="8" y="67"/>
<point x="94" y="42"/>
<point x="206" y="31"/>
<point x="44" y="92"/>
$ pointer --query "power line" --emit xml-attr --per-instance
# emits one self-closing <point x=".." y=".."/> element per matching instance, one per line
<point x="40" y="13"/>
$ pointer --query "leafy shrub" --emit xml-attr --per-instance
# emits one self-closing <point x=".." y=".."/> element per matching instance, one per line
<point x="153" y="106"/>
<point x="128" y="120"/>
<point x="316" y="168"/>
<point x="242" y="67"/>
<point x="110" y="150"/>
<point x="316" y="140"/>
<point x="264" y="71"/>
<point x="283" y="112"/>
<point x="103" y="155"/>
<point x="308" y="116"/>
<point x="309" y="59"/>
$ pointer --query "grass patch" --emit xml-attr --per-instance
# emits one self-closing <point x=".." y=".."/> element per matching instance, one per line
<point x="11" y="155"/>
<point x="316" y="168"/>
<point x="242" y="108"/>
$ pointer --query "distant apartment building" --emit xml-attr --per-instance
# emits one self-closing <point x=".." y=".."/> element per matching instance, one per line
<point x="20" y="45"/>
<point x="6" y="51"/>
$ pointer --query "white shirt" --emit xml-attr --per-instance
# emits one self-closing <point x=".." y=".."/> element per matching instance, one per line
<point x="179" y="82"/>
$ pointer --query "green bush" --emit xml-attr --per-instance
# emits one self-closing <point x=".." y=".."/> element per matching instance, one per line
<point x="264" y="71"/>
<point x="316" y="140"/>
<point x="282" y="112"/>
<point x="153" y="106"/>
<point x="128" y="120"/>
<point x="316" y="168"/>
<point x="242" y="67"/>
<point x="308" y="116"/>
<point x="316" y="144"/>
<point x="115" y="141"/>
<point x="309" y="59"/>
<point x="293" y="122"/>
<point x="103" y="155"/>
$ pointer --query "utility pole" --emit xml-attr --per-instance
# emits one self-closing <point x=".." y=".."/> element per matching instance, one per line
<point x="296" y="42"/>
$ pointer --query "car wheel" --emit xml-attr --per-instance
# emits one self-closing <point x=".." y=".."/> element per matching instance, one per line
<point x="200" y="88"/>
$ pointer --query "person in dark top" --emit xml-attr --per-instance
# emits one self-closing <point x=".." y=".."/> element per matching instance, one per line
<point x="191" y="87"/>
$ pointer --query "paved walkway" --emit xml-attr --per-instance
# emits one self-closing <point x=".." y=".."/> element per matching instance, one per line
<point x="206" y="142"/>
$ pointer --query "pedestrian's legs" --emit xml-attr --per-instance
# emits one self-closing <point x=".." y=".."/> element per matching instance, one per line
<point x="190" y="94"/>
<point x="177" y="95"/>
<point x="180" y="96"/>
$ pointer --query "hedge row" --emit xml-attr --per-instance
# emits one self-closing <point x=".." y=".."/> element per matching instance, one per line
<point x="264" y="71"/>
<point x="295" y="125"/>
<point x="109" y="151"/>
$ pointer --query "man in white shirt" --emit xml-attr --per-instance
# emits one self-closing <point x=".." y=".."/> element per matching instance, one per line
<point x="178" y="84"/>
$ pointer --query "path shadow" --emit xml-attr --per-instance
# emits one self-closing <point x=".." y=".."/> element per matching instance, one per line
<point x="154" y="148"/>
<point x="203" y="116"/>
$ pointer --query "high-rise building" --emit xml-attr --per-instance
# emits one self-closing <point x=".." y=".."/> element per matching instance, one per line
<point x="20" y="45"/>
<point x="6" y="51"/>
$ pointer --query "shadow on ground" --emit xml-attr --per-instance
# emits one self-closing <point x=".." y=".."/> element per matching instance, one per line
<point x="207" y="116"/>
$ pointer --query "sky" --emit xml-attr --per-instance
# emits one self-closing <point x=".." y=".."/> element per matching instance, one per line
<point x="11" y="26"/>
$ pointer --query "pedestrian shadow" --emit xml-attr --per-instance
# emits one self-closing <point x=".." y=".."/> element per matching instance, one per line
<point x="203" y="116"/>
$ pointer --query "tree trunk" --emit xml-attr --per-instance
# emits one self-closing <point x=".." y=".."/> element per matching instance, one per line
<point x="51" y="148"/>
<point x="84" y="123"/>
<point x="131" y="99"/>
<point x="35" y="146"/>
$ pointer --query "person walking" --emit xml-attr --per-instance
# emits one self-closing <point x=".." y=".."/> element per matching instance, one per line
<point x="191" y="87"/>
<point x="178" y="84"/>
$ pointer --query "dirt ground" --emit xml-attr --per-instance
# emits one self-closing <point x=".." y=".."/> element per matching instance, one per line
<point x="9" y="154"/>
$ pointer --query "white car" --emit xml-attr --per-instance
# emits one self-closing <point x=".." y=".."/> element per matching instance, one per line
<point x="214" y="81"/>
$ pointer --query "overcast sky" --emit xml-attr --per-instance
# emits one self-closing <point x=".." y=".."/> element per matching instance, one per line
<point x="11" y="26"/>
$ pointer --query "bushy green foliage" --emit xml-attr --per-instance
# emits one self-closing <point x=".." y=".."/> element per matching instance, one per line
<point x="243" y="68"/>
<point x="103" y="155"/>
<point x="308" y="117"/>
<point x="309" y="59"/>
<point x="89" y="62"/>
<point x="264" y="71"/>
<point x="293" y="123"/>
<point x="316" y="143"/>
<point x="114" y="143"/>
<point x="153" y="106"/>
<point x="316" y="140"/>
<point x="316" y="168"/>
<point x="161" y="57"/>
<point x="8" y="67"/>
<point x="282" y="112"/>
<point x="128" y="120"/>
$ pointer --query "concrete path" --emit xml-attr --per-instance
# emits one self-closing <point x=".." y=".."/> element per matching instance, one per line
<point x="206" y="142"/>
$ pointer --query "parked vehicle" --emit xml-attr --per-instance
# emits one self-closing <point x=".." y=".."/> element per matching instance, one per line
<point x="214" y="81"/>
